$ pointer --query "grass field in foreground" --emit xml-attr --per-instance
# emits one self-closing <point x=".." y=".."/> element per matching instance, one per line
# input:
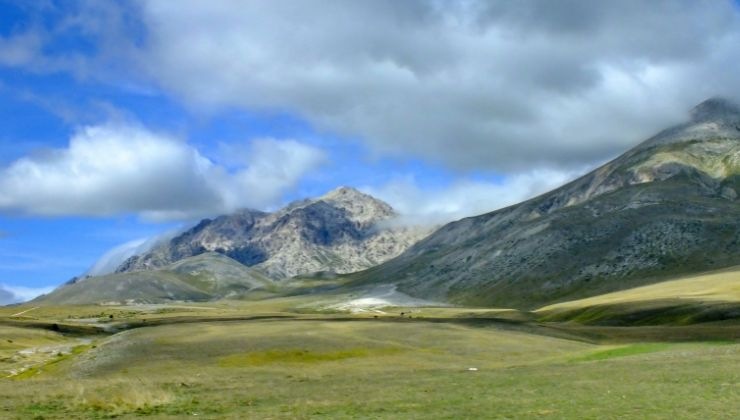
<point x="297" y="368"/>
<point x="291" y="357"/>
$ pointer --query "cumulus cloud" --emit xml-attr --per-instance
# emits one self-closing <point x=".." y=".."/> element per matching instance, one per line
<point x="18" y="294"/>
<point x="421" y="205"/>
<point x="119" y="169"/>
<point x="497" y="85"/>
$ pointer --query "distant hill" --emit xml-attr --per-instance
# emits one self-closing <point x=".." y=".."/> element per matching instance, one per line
<point x="665" y="208"/>
<point x="208" y="276"/>
<point x="340" y="232"/>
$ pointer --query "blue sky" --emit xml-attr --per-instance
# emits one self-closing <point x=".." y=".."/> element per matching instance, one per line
<point x="123" y="120"/>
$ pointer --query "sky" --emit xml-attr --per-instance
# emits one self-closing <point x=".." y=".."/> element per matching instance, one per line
<point x="123" y="121"/>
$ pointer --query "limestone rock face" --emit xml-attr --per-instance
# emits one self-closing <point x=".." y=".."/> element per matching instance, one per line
<point x="341" y="232"/>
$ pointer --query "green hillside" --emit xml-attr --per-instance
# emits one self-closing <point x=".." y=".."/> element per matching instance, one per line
<point x="204" y="277"/>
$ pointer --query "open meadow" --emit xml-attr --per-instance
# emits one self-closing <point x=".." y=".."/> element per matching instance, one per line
<point x="275" y="358"/>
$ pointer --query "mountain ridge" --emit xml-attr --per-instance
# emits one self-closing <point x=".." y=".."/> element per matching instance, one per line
<point x="666" y="205"/>
<point x="339" y="231"/>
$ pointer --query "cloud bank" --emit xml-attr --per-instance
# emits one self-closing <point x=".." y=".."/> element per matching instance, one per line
<point x="489" y="85"/>
<point x="121" y="169"/>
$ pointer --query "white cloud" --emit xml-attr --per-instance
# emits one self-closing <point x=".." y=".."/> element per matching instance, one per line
<point x="472" y="84"/>
<point x="118" y="169"/>
<point x="469" y="83"/>
<point x="18" y="294"/>
<point x="20" y="49"/>
<point x="420" y="205"/>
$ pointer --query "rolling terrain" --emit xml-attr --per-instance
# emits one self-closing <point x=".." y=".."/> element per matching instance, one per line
<point x="667" y="207"/>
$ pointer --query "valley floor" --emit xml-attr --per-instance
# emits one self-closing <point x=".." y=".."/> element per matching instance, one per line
<point x="277" y="359"/>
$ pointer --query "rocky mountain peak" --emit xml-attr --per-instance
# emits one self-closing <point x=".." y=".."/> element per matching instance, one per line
<point x="715" y="109"/>
<point x="349" y="194"/>
<point x="362" y="208"/>
<point x="345" y="191"/>
<point x="338" y="232"/>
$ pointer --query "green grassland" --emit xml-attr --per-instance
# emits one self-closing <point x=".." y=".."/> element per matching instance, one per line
<point x="289" y="357"/>
<point x="371" y="368"/>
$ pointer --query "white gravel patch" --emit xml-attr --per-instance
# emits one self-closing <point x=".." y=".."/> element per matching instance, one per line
<point x="379" y="297"/>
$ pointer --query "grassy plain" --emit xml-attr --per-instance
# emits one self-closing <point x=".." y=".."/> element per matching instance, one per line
<point x="327" y="366"/>
<point x="284" y="358"/>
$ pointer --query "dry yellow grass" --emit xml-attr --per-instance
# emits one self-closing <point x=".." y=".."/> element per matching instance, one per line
<point x="718" y="286"/>
<point x="24" y="348"/>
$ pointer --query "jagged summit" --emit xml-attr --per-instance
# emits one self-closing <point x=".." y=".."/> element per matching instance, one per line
<point x="716" y="109"/>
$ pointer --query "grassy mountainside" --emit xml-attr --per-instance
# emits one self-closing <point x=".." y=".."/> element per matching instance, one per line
<point x="207" y="276"/>
<point x="665" y="208"/>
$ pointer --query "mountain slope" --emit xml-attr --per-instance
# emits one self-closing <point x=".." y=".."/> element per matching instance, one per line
<point x="208" y="276"/>
<point x="666" y="207"/>
<point x="340" y="232"/>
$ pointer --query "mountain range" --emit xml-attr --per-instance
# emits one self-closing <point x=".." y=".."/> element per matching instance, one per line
<point x="250" y="251"/>
<point x="667" y="207"/>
